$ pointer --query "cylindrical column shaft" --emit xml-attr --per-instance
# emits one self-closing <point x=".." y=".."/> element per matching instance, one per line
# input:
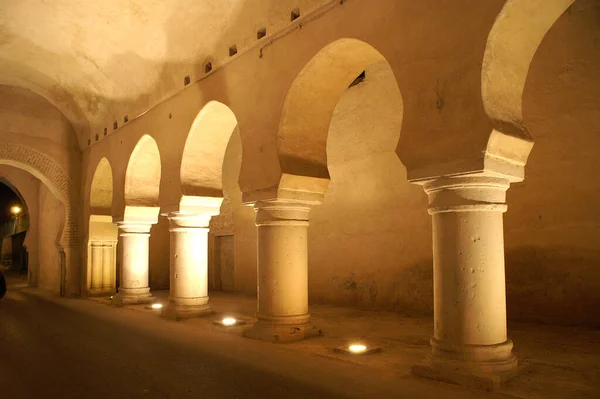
<point x="282" y="272"/>
<point x="469" y="283"/>
<point x="134" y="263"/>
<point x="188" y="295"/>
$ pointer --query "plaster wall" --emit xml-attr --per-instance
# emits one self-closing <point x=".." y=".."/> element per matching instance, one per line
<point x="159" y="255"/>
<point x="439" y="76"/>
<point x="36" y="137"/>
<point x="28" y="187"/>
<point x="52" y="217"/>
<point x="370" y="241"/>
<point x="553" y="221"/>
<point x="6" y="247"/>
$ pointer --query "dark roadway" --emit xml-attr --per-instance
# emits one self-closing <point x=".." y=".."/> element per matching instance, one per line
<point x="75" y="348"/>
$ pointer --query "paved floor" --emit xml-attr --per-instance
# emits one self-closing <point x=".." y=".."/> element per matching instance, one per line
<point x="77" y="348"/>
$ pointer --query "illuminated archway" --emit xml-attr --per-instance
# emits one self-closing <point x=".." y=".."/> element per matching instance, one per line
<point x="511" y="45"/>
<point x="201" y="199"/>
<point x="102" y="234"/>
<point x="142" y="186"/>
<point x="58" y="182"/>
<point x="282" y="219"/>
<point x="204" y="151"/>
<point x="142" y="178"/>
<point x="309" y="106"/>
<point x="101" y="189"/>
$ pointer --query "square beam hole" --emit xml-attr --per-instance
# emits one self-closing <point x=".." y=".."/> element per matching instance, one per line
<point x="295" y="14"/>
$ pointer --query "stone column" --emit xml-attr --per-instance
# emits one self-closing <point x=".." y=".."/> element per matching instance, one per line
<point x="108" y="266"/>
<point x="282" y="272"/>
<point x="96" y="266"/>
<point x="470" y="339"/>
<point x="188" y="296"/>
<point x="134" y="287"/>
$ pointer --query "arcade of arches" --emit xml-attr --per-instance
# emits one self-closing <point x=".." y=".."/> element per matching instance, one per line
<point x="434" y="162"/>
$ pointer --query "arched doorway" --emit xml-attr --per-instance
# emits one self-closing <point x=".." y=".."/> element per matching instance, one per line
<point x="14" y="224"/>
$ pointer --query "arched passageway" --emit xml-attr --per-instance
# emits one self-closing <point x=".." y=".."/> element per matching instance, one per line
<point x="304" y="129"/>
<point x="201" y="199"/>
<point x="142" y="186"/>
<point x="14" y="223"/>
<point x="551" y="229"/>
<point x="102" y="234"/>
<point x="58" y="251"/>
<point x="470" y="340"/>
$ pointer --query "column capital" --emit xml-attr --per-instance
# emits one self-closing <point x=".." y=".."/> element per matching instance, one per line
<point x="184" y="220"/>
<point x="480" y="192"/>
<point x="280" y="212"/>
<point x="134" y="227"/>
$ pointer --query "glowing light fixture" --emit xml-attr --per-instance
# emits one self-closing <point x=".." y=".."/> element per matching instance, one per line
<point x="357" y="348"/>
<point x="15" y="210"/>
<point x="229" y="322"/>
<point x="157" y="306"/>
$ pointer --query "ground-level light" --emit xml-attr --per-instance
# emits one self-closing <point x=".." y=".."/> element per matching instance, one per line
<point x="157" y="306"/>
<point x="357" y="348"/>
<point x="229" y="322"/>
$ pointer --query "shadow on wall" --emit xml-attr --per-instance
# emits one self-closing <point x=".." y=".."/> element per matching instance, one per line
<point x="409" y="291"/>
<point x="554" y="285"/>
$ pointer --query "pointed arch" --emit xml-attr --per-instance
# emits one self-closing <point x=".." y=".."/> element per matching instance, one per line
<point x="511" y="45"/>
<point x="142" y="178"/>
<point x="54" y="177"/>
<point x="204" y="151"/>
<point x="309" y="107"/>
<point x="101" y="189"/>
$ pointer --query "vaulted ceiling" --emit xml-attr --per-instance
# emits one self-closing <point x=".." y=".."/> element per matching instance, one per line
<point x="98" y="61"/>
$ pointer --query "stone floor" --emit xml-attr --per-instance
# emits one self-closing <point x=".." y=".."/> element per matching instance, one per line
<point x="558" y="362"/>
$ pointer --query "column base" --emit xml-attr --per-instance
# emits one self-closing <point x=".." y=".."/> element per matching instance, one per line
<point x="274" y="330"/>
<point x="132" y="296"/>
<point x="476" y="366"/>
<point x="178" y="311"/>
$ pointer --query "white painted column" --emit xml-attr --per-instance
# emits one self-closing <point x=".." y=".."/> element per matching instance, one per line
<point x="135" y="263"/>
<point x="188" y="296"/>
<point x="96" y="266"/>
<point x="108" y="265"/>
<point x="282" y="272"/>
<point x="470" y="336"/>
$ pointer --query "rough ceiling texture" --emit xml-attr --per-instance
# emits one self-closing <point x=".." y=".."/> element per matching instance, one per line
<point x="98" y="61"/>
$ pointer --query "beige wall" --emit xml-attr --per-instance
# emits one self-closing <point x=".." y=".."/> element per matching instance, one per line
<point x="553" y="222"/>
<point x="159" y="255"/>
<point x="52" y="217"/>
<point x="37" y="138"/>
<point x="370" y="241"/>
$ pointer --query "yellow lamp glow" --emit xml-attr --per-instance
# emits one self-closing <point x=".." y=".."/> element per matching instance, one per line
<point x="15" y="210"/>
<point x="357" y="348"/>
<point x="157" y="306"/>
<point x="229" y="321"/>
